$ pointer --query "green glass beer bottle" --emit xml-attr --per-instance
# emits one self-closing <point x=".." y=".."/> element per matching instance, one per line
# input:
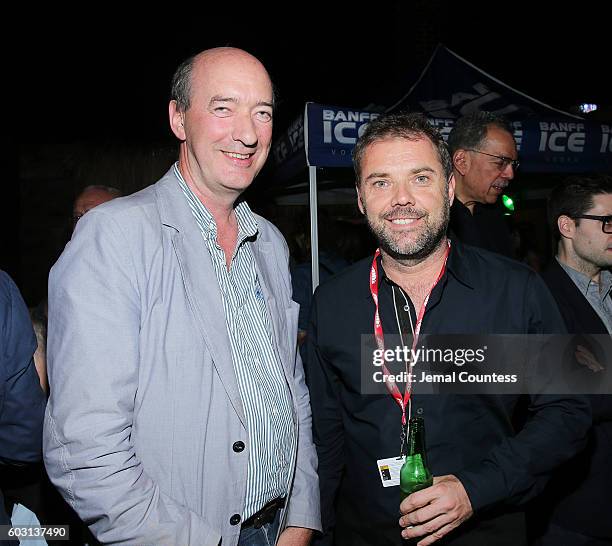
<point x="414" y="474"/>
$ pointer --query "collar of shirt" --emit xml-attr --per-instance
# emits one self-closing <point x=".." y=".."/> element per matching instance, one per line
<point x="457" y="265"/>
<point x="247" y="224"/>
<point x="583" y="282"/>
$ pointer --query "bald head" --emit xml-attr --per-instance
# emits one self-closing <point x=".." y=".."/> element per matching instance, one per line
<point x="203" y="63"/>
<point x="91" y="197"/>
<point x="221" y="113"/>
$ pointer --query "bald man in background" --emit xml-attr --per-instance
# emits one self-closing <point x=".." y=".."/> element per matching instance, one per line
<point x="91" y="197"/>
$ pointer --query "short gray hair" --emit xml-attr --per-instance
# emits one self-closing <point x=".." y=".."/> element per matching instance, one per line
<point x="470" y="131"/>
<point x="180" y="90"/>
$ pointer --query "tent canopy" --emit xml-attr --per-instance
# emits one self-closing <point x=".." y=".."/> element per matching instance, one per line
<point x="549" y="140"/>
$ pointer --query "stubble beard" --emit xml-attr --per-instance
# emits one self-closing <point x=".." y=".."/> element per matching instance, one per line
<point x="425" y="243"/>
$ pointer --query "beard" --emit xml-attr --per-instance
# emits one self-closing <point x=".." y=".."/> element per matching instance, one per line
<point x="415" y="245"/>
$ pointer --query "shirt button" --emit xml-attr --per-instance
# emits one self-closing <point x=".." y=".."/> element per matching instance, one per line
<point x="235" y="519"/>
<point x="238" y="446"/>
<point x="419" y="411"/>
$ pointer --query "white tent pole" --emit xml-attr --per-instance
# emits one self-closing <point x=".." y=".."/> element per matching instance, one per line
<point x="314" y="229"/>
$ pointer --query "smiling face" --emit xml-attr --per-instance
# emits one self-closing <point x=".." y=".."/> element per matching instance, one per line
<point x="403" y="193"/>
<point x="227" y="129"/>
<point x="484" y="178"/>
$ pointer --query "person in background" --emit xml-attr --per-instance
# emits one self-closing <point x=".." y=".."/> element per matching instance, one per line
<point x="22" y="405"/>
<point x="330" y="263"/>
<point x="91" y="197"/>
<point x="576" y="507"/>
<point x="484" y="158"/>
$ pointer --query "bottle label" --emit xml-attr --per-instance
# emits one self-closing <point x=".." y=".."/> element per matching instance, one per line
<point x="389" y="470"/>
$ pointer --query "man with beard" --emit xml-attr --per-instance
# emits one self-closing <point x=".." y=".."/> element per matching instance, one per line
<point x="419" y="281"/>
<point x="484" y="156"/>
<point x="577" y="501"/>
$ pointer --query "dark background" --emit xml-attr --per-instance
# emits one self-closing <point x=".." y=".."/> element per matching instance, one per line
<point x="90" y="89"/>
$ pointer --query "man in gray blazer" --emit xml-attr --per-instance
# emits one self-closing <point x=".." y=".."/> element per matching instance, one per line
<point x="178" y="412"/>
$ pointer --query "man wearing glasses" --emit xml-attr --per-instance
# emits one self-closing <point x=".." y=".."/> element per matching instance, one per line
<point x="577" y="503"/>
<point x="484" y="162"/>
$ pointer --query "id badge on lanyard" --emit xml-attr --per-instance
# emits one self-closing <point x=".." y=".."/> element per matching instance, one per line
<point x="403" y="401"/>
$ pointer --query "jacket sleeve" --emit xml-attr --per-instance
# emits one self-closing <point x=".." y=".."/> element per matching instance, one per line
<point x="304" y="505"/>
<point x="22" y="401"/>
<point x="93" y="360"/>
<point x="518" y="468"/>
<point x="303" y="509"/>
<point x="327" y="425"/>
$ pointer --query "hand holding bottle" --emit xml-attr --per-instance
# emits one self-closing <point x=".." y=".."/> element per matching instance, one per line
<point x="435" y="511"/>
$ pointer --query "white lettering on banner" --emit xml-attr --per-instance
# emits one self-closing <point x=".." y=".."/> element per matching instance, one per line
<point x="293" y="141"/>
<point x="458" y="98"/>
<point x="606" y="141"/>
<point x="345" y="127"/>
<point x="296" y="134"/>
<point x="349" y="115"/>
<point x="444" y="126"/>
<point x="471" y="102"/>
<point x="280" y="151"/>
<point x="569" y="126"/>
<point x="481" y="88"/>
<point x="327" y="132"/>
<point x="339" y="132"/>
<point x="561" y="141"/>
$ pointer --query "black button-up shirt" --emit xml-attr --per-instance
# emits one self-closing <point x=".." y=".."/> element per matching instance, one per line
<point x="470" y="436"/>
<point x="485" y="228"/>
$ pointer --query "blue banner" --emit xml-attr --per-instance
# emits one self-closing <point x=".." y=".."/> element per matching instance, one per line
<point x="565" y="146"/>
<point x="331" y="133"/>
<point x="288" y="151"/>
<point x="554" y="145"/>
<point x="568" y="146"/>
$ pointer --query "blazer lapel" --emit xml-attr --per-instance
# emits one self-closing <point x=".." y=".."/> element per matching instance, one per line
<point x="200" y="282"/>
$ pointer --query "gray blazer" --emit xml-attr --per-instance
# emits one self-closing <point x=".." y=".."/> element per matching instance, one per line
<point x="144" y="405"/>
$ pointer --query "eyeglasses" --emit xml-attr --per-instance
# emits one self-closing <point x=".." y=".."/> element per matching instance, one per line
<point x="504" y="161"/>
<point x="606" y="221"/>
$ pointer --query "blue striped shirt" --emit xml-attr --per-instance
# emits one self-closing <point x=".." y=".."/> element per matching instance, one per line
<point x="263" y="388"/>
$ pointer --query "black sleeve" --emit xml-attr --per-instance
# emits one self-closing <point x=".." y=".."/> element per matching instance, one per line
<point x="327" y="426"/>
<point x="518" y="468"/>
<point x="22" y="401"/>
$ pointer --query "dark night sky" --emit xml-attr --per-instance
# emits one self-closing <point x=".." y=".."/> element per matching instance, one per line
<point x="107" y="75"/>
<point x="100" y="74"/>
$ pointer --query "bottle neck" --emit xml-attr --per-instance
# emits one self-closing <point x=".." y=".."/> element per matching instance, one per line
<point x="416" y="437"/>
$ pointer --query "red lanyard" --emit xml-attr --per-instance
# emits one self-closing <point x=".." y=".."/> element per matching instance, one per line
<point x="394" y="391"/>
